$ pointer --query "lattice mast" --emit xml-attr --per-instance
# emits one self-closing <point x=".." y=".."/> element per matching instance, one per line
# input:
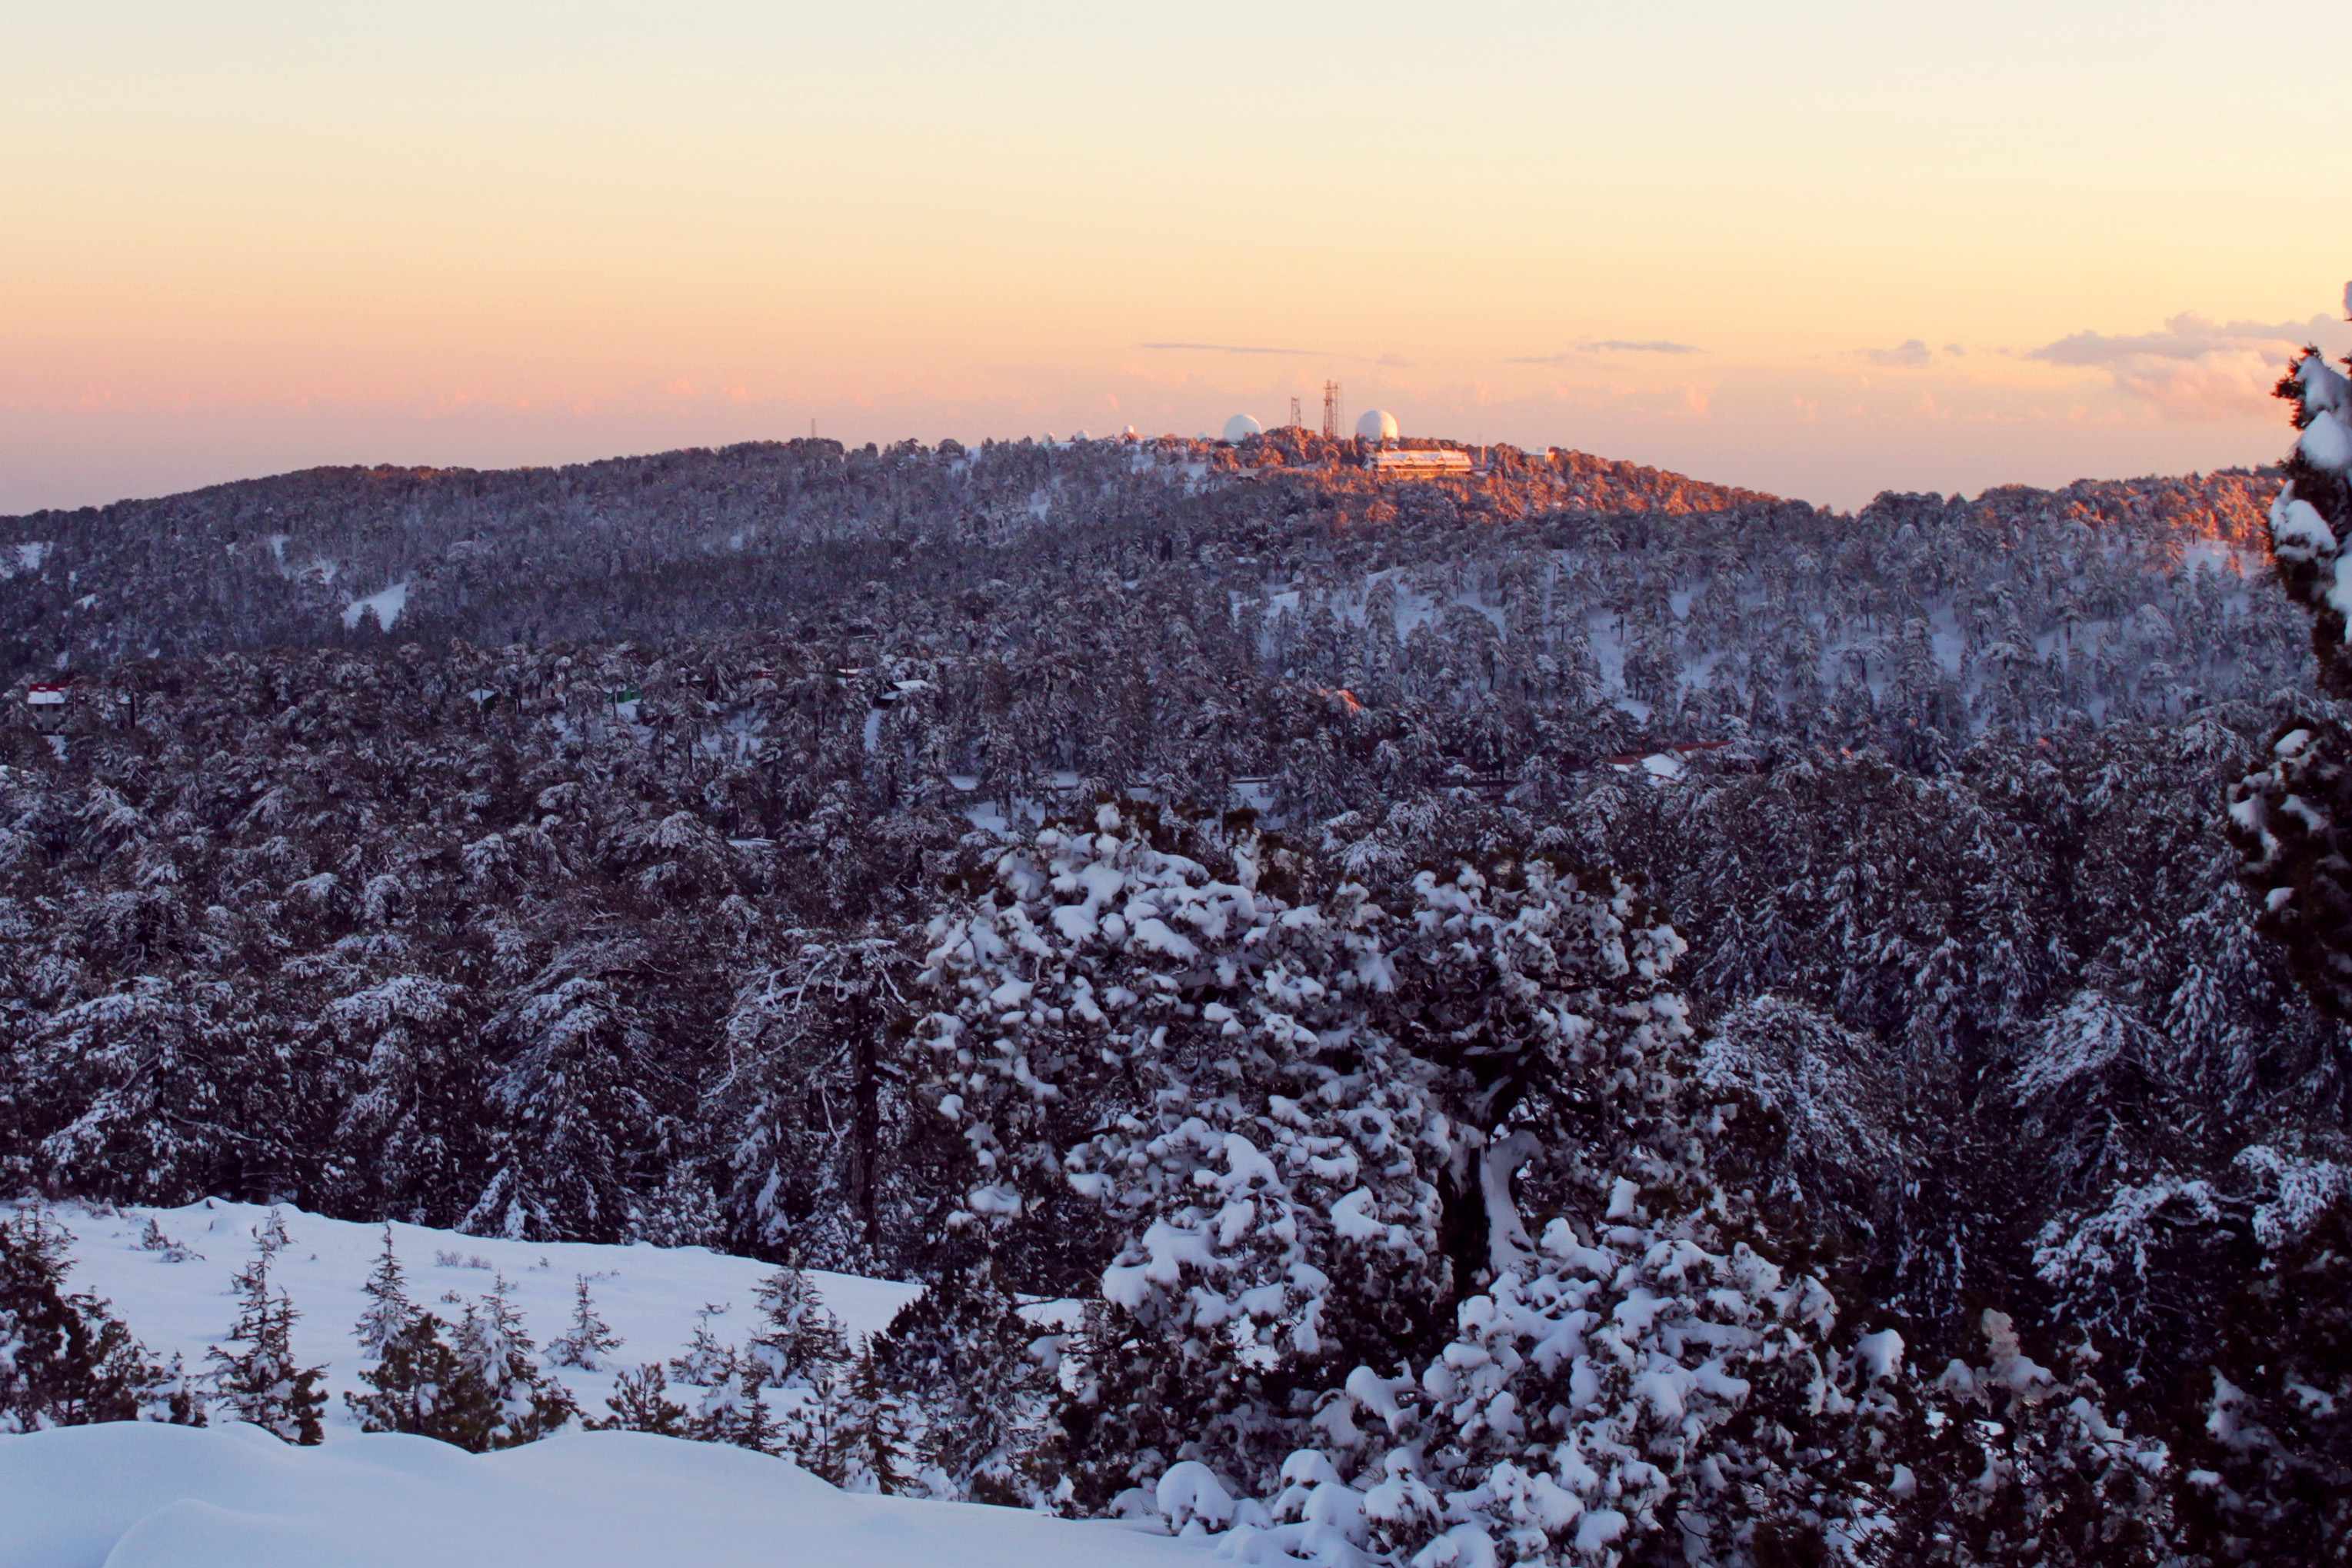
<point x="1331" y="411"/>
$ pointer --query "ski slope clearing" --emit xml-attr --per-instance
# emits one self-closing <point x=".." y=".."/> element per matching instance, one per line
<point x="139" y="1495"/>
<point x="387" y="605"/>
<point x="650" y="1295"/>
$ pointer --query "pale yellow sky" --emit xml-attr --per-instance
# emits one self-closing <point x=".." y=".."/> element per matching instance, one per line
<point x="260" y="235"/>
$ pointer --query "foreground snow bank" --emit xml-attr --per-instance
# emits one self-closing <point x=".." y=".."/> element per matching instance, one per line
<point x="137" y="1495"/>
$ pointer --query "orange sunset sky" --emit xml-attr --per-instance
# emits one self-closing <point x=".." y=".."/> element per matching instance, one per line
<point x="1820" y="248"/>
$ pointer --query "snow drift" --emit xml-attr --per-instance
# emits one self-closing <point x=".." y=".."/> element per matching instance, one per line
<point x="140" y="1495"/>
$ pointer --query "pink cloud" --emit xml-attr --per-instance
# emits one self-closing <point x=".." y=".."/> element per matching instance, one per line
<point x="2196" y="368"/>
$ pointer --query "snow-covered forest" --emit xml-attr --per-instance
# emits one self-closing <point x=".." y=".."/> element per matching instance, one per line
<point x="1576" y="1015"/>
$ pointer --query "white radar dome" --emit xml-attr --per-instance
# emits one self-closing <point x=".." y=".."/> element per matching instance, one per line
<point x="1241" y="427"/>
<point x="1377" y="424"/>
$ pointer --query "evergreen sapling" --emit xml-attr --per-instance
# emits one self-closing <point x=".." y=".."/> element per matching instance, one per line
<point x="590" y="1344"/>
<point x="261" y="1382"/>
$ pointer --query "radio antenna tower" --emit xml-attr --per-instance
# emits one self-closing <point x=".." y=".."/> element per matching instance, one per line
<point x="1331" y="411"/>
<point x="1298" y="419"/>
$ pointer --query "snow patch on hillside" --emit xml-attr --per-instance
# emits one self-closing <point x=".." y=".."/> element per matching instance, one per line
<point x="387" y="605"/>
<point x="24" y="557"/>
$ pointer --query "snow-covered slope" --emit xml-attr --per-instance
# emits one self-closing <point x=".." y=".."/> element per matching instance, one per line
<point x="650" y="1295"/>
<point x="137" y="1495"/>
<point x="387" y="605"/>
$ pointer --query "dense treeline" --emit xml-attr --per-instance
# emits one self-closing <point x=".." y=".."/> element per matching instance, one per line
<point x="323" y="926"/>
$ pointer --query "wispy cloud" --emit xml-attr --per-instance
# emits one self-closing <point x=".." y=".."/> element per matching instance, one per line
<point x="2194" y="368"/>
<point x="2188" y="335"/>
<point x="1909" y="355"/>
<point x="1236" y="348"/>
<point x="1605" y="345"/>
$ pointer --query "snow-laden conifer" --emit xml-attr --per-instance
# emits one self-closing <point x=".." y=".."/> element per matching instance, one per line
<point x="799" y="1339"/>
<point x="66" y="1360"/>
<point x="389" y="1311"/>
<point x="493" y="1347"/>
<point x="260" y="1381"/>
<point x="588" y="1343"/>
<point x="1316" y="1115"/>
<point x="640" y="1402"/>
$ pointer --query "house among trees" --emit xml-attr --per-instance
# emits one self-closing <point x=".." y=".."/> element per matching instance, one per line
<point x="46" y="700"/>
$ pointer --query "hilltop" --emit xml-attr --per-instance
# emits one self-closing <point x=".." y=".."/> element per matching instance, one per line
<point x="748" y="535"/>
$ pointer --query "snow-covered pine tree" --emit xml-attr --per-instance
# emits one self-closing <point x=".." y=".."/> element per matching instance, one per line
<point x="706" y="1360"/>
<point x="873" y="1439"/>
<point x="1318" y="1113"/>
<point x="961" y="1353"/>
<point x="799" y="1339"/>
<point x="570" y="1110"/>
<point x="407" y="1139"/>
<point x="2259" y="1265"/>
<point x="681" y="1212"/>
<point x="2020" y="1462"/>
<point x="492" y="1345"/>
<point x="389" y="1311"/>
<point x="755" y="1426"/>
<point x="152" y="1238"/>
<point x="1821" y="1135"/>
<point x="261" y="1382"/>
<point x="65" y="1359"/>
<point x="813" y="1096"/>
<point x="418" y="1385"/>
<point x="2291" y="815"/>
<point x="155" y="1090"/>
<point x="640" y="1402"/>
<point x="717" y="1414"/>
<point x="590" y="1342"/>
<point x="813" y="1429"/>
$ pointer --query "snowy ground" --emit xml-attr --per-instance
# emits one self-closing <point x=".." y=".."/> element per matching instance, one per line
<point x="137" y="1495"/>
<point x="131" y="1496"/>
<point x="650" y="1295"/>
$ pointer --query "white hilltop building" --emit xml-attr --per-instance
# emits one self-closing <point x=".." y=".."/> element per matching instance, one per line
<point x="1240" y="427"/>
<point x="1426" y="463"/>
<point x="1387" y="460"/>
